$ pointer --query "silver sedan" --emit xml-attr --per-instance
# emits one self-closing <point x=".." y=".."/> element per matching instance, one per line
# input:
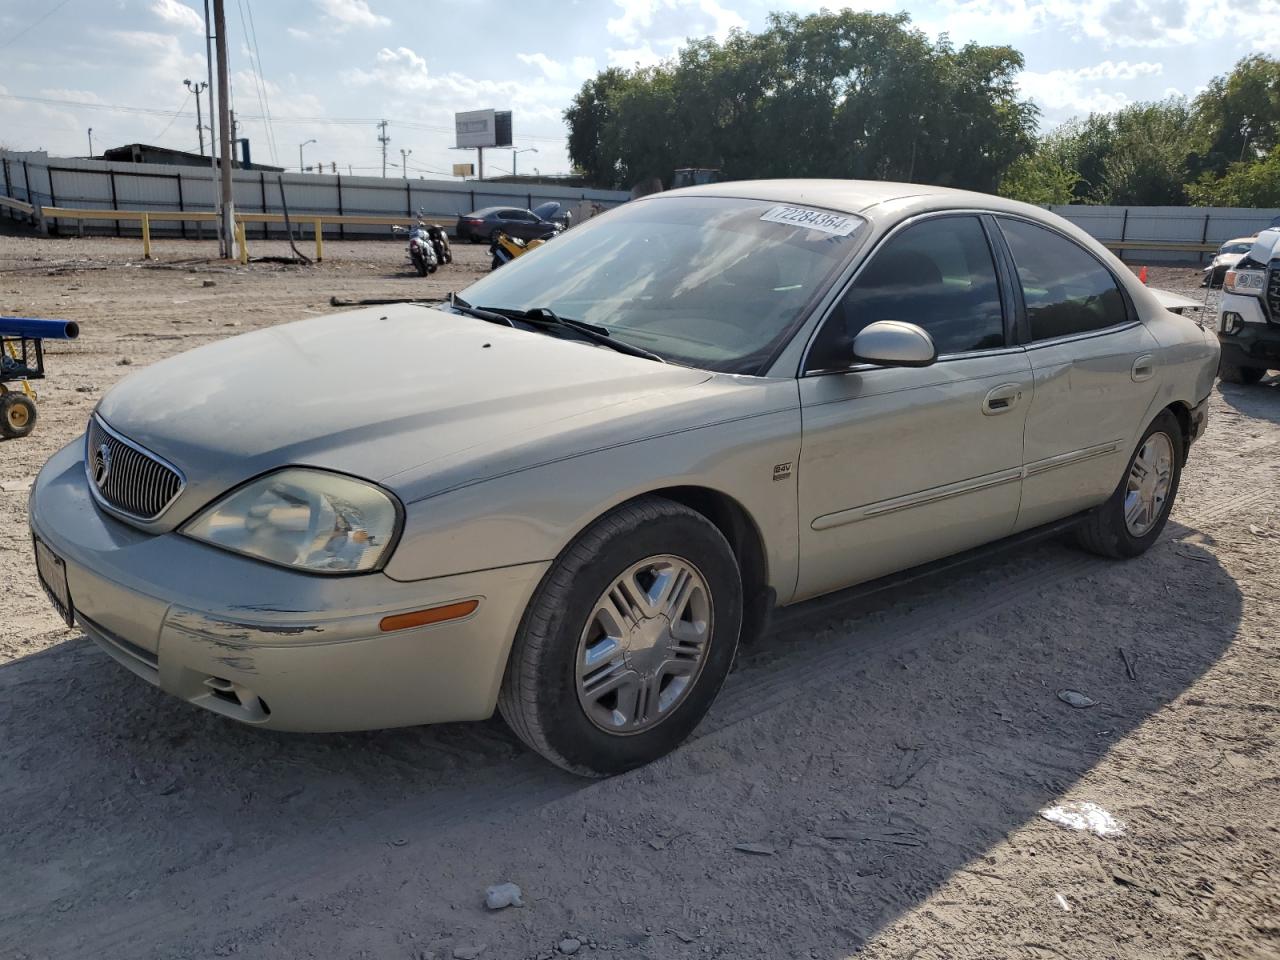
<point x="567" y="493"/>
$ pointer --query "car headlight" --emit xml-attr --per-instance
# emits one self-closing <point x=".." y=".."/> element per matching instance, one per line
<point x="313" y="520"/>
<point x="1246" y="282"/>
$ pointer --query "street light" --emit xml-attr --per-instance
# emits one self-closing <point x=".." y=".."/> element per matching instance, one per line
<point x="91" y="143"/>
<point x="301" y="168"/>
<point x="515" y="153"/>
<point x="404" y="162"/>
<point x="198" y="88"/>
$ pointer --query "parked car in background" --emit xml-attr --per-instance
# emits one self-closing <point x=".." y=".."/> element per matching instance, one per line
<point x="483" y="226"/>
<point x="1249" y="312"/>
<point x="569" y="491"/>
<point x="1228" y="256"/>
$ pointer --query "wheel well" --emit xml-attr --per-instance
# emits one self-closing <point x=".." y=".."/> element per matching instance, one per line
<point x="732" y="520"/>
<point x="1182" y="413"/>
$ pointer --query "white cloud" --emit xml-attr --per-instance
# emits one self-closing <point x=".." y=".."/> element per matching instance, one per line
<point x="178" y="14"/>
<point x="577" y="68"/>
<point x="694" y="18"/>
<point x="352" y="13"/>
<point x="1070" y="92"/>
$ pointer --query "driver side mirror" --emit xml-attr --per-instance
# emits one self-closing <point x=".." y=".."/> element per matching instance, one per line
<point x="893" y="343"/>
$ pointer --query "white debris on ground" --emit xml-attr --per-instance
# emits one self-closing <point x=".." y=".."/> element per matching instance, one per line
<point x="502" y="895"/>
<point x="1084" y="815"/>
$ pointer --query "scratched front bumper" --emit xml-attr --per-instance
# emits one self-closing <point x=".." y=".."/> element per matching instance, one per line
<point x="270" y="646"/>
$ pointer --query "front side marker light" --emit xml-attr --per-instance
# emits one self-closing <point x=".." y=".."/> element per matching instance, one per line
<point x="422" y="618"/>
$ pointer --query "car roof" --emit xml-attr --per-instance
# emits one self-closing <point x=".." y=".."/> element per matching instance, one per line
<point x="485" y="211"/>
<point x="1248" y="240"/>
<point x="870" y="198"/>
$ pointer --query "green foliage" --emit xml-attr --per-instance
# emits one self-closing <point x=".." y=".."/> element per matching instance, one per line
<point x="1039" y="178"/>
<point x="1239" y="114"/>
<point x="1249" y="184"/>
<point x="827" y="95"/>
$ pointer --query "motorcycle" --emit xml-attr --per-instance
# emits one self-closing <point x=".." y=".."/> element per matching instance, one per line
<point x="440" y="243"/>
<point x="422" y="251"/>
<point x="506" y="248"/>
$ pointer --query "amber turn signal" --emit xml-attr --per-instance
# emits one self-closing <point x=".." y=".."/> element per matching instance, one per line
<point x="420" y="618"/>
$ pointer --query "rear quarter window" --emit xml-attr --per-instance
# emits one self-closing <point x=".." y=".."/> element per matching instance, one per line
<point x="1066" y="289"/>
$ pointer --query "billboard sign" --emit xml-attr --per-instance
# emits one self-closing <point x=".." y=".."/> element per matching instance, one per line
<point x="464" y="169"/>
<point x="483" y="128"/>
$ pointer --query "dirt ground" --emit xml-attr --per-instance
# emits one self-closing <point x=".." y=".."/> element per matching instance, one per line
<point x="883" y="760"/>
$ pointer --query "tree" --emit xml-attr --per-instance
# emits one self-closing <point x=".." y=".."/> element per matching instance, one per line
<point x="1039" y="178"/>
<point x="1249" y="184"/>
<point x="1238" y="115"/>
<point x="827" y="95"/>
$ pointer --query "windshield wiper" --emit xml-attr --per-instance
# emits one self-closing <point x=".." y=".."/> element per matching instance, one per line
<point x="462" y="306"/>
<point x="546" y="317"/>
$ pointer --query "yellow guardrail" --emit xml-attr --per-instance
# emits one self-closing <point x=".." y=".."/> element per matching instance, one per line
<point x="1169" y="245"/>
<point x="18" y="205"/>
<point x="146" y="217"/>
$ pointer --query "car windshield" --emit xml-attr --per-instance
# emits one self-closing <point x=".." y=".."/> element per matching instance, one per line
<point x="710" y="282"/>
<point x="1236" y="248"/>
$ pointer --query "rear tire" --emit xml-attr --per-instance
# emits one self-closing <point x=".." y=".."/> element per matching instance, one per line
<point x="420" y="264"/>
<point x="1128" y="523"/>
<point x="563" y="658"/>
<point x="17" y="415"/>
<point x="1230" y="372"/>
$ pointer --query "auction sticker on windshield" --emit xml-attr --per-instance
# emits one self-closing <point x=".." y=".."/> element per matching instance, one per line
<point x="831" y="223"/>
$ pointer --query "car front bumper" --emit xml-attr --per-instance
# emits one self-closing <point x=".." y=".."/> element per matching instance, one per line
<point x="1252" y="345"/>
<point x="267" y="645"/>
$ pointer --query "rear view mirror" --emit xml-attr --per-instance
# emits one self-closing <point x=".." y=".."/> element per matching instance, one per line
<point x="892" y="343"/>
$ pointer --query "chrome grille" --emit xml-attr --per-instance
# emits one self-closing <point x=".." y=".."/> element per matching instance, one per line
<point x="1273" y="294"/>
<point x="126" y="477"/>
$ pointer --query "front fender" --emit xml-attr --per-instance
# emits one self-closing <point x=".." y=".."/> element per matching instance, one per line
<point x="532" y="514"/>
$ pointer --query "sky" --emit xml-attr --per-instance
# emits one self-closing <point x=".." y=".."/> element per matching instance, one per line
<point x="328" y="70"/>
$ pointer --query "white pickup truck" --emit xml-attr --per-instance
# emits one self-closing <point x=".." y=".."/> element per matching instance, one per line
<point x="1249" y="314"/>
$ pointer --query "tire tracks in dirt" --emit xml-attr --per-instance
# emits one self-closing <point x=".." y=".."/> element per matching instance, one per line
<point x="251" y="892"/>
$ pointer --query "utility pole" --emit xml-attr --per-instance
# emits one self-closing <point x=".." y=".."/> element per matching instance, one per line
<point x="515" y="153"/>
<point x="91" y="143"/>
<point x="213" y="137"/>
<point x="224" y="126"/>
<point x="384" y="140"/>
<point x="198" y="88"/>
<point x="404" y="162"/>
<point x="301" y="168"/>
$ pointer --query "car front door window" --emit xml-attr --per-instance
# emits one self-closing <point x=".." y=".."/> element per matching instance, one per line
<point x="938" y="274"/>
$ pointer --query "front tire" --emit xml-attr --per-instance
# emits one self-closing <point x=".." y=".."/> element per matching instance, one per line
<point x="626" y="641"/>
<point x="1230" y="372"/>
<point x="1132" y="518"/>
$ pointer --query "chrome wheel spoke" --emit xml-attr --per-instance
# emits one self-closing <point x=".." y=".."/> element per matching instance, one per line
<point x="1147" y="489"/>
<point x="643" y="647"/>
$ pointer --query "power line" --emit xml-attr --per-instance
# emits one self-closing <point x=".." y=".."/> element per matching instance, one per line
<point x="34" y="23"/>
<point x="259" y="80"/>
<point x="173" y="120"/>
<point x="328" y="121"/>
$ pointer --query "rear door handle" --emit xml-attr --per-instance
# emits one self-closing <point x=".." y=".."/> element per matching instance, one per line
<point x="1001" y="399"/>
<point x="1144" y="368"/>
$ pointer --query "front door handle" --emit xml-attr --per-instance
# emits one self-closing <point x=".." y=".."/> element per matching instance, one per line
<point x="1144" y="368"/>
<point x="1001" y="399"/>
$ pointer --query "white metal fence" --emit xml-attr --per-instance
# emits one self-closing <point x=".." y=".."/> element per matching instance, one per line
<point x="103" y="185"/>
<point x="1189" y="225"/>
<point x="96" y="184"/>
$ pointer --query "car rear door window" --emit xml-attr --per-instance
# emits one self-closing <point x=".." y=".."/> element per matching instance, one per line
<point x="938" y="274"/>
<point x="1067" y="290"/>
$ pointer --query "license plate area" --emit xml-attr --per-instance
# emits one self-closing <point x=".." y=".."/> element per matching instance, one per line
<point x="52" y="571"/>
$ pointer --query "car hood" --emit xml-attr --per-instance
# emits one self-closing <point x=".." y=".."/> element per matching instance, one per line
<point x="395" y="394"/>
<point x="1225" y="260"/>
